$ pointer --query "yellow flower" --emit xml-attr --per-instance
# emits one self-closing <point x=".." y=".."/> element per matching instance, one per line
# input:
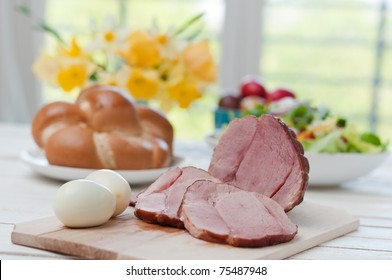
<point x="142" y="84"/>
<point x="162" y="39"/>
<point x="152" y="65"/>
<point x="109" y="36"/>
<point x="142" y="50"/>
<point x="199" y="62"/>
<point x="171" y="71"/>
<point x="74" y="49"/>
<point x="46" y="68"/>
<point x="184" y="92"/>
<point x="72" y="76"/>
<point x="67" y="72"/>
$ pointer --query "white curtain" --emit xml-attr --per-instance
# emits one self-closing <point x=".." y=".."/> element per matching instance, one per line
<point x="20" y="95"/>
<point x="241" y="41"/>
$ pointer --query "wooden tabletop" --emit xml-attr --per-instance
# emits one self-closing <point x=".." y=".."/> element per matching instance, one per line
<point x="26" y="195"/>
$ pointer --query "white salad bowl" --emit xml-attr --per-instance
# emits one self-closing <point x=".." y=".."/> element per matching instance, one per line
<point x="334" y="169"/>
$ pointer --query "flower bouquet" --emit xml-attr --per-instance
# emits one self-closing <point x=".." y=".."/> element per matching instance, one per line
<point x="164" y="68"/>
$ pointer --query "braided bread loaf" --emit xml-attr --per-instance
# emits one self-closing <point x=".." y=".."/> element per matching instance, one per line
<point x="103" y="129"/>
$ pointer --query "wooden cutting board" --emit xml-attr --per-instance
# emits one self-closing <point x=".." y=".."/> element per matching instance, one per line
<point x="126" y="237"/>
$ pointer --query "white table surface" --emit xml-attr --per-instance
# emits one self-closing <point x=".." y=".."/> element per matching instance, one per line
<point x="25" y="196"/>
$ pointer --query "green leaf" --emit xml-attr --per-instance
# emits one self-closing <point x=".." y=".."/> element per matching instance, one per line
<point x="256" y="111"/>
<point x="24" y="10"/>
<point x="188" y="23"/>
<point x="93" y="77"/>
<point x="331" y="143"/>
<point x="371" y="138"/>
<point x="341" y="122"/>
<point x="300" y="117"/>
<point x="44" y="27"/>
<point x="195" y="33"/>
<point x="358" y="141"/>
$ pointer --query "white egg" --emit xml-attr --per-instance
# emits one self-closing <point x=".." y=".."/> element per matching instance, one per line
<point x="83" y="203"/>
<point x="117" y="184"/>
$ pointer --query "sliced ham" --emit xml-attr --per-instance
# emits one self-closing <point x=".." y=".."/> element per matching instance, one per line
<point x="160" y="202"/>
<point x="262" y="155"/>
<point x="222" y="213"/>
<point x="257" y="172"/>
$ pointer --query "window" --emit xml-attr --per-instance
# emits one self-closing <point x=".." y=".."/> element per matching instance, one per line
<point x="336" y="53"/>
<point x="331" y="52"/>
<point x="193" y="123"/>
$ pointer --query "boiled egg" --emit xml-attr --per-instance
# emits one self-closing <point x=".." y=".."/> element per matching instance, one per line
<point x="84" y="203"/>
<point x="116" y="184"/>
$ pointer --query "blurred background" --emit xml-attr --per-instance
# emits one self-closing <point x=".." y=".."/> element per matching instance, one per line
<point x="336" y="53"/>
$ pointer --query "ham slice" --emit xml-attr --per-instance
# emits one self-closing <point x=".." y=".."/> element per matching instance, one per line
<point x="222" y="213"/>
<point x="160" y="202"/>
<point x="262" y="155"/>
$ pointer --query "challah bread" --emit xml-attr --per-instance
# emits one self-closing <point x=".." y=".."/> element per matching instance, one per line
<point x="109" y="110"/>
<point x="103" y="129"/>
<point x="155" y="124"/>
<point x="54" y="117"/>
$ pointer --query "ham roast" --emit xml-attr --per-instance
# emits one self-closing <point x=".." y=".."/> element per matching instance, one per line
<point x="222" y="213"/>
<point x="257" y="172"/>
<point x="262" y="155"/>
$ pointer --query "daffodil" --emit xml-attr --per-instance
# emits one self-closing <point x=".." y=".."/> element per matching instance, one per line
<point x="152" y="65"/>
<point x="141" y="50"/>
<point x="109" y="36"/>
<point x="107" y="40"/>
<point x="199" y="62"/>
<point x="171" y="71"/>
<point x="142" y="84"/>
<point x="74" y="50"/>
<point x="184" y="92"/>
<point x="72" y="76"/>
<point x="46" y="68"/>
<point x="162" y="39"/>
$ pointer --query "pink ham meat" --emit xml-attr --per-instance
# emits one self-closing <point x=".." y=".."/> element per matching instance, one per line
<point x="222" y="213"/>
<point x="262" y="155"/>
<point x="160" y="202"/>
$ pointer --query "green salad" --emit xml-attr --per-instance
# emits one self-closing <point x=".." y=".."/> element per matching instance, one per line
<point x="320" y="131"/>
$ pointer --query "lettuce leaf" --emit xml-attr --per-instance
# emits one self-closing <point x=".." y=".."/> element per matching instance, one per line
<point x="345" y="140"/>
<point x="330" y="143"/>
<point x="363" y="143"/>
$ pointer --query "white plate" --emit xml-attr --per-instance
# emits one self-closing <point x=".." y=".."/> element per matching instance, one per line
<point x="334" y="169"/>
<point x="36" y="159"/>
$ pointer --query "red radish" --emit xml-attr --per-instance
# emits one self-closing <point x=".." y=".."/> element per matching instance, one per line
<point x="251" y="86"/>
<point x="279" y="94"/>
